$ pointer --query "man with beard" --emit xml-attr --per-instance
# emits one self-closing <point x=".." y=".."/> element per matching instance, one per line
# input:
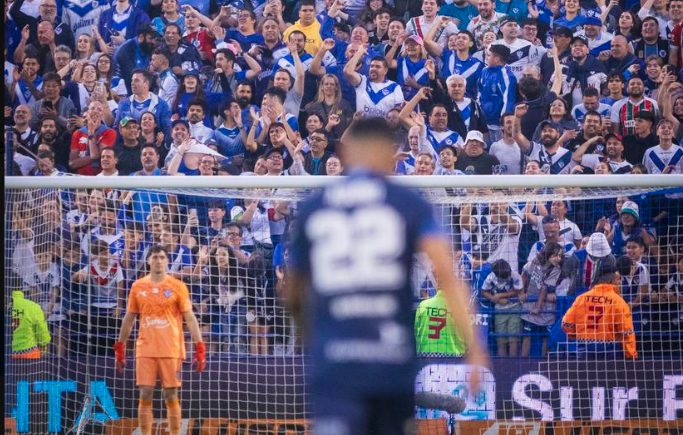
<point x="166" y="80"/>
<point x="143" y="100"/>
<point x="460" y="61"/>
<point x="135" y="53"/>
<point x="375" y="95"/>
<point x="599" y="42"/>
<point x="475" y="160"/>
<point x="225" y="78"/>
<point x="245" y="33"/>
<point x="195" y="116"/>
<point x="487" y="20"/>
<point x="584" y="70"/>
<point x="591" y="103"/>
<point x="24" y="134"/>
<point x="549" y="152"/>
<point x="591" y="128"/>
<point x="437" y="134"/>
<point x="243" y="97"/>
<point x="52" y="104"/>
<point x="422" y="24"/>
<point x="621" y="58"/>
<point x="26" y="85"/>
<point x="651" y="43"/>
<point x="461" y="10"/>
<point x="612" y="155"/>
<point x="642" y="138"/>
<point x="506" y="149"/>
<point x="48" y="12"/>
<point x="464" y="113"/>
<point x="624" y="110"/>
<point x="268" y="53"/>
<point x="184" y="56"/>
<point x="50" y="134"/>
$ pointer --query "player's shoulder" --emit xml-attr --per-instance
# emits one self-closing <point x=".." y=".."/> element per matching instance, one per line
<point x="175" y="284"/>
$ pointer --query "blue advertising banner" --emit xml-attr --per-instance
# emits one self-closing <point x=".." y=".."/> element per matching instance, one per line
<point x="48" y="396"/>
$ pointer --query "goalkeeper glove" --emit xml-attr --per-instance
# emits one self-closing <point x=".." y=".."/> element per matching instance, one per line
<point x="120" y="353"/>
<point x="199" y="356"/>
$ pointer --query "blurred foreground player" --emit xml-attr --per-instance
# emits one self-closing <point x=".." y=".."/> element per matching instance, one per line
<point x="162" y="302"/>
<point x="350" y="289"/>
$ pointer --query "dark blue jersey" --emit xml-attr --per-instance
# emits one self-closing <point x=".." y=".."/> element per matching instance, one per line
<point x="356" y="242"/>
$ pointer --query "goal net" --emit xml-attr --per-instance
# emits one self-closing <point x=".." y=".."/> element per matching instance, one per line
<point x="528" y="246"/>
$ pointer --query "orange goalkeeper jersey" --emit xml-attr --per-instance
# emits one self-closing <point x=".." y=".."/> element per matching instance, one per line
<point x="601" y="316"/>
<point x="160" y="307"/>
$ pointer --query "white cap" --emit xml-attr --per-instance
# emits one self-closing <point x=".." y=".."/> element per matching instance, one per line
<point x="598" y="246"/>
<point x="475" y="135"/>
<point x="630" y="207"/>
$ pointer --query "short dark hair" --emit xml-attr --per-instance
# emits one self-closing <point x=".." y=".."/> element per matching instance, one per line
<point x="136" y="226"/>
<point x="297" y="32"/>
<point x="453" y="149"/>
<point x="380" y="59"/>
<point x="180" y="31"/>
<point x="380" y="11"/>
<point x="367" y="129"/>
<point x="591" y="113"/>
<point x="149" y="145"/>
<point x="197" y="102"/>
<point x="46" y="155"/>
<point x="615" y="75"/>
<point x="307" y="3"/>
<point x="501" y="269"/>
<point x="278" y="93"/>
<point x="530" y="88"/>
<point x="229" y="54"/>
<point x="161" y="51"/>
<point x="156" y="249"/>
<point x="434" y="106"/>
<point x="321" y="131"/>
<point x="529" y="22"/>
<point x="108" y="206"/>
<point x="624" y="265"/>
<point x="235" y="225"/>
<point x="98" y="246"/>
<point x="52" y="77"/>
<point x="637" y="240"/>
<point x="146" y="74"/>
<point x="591" y="92"/>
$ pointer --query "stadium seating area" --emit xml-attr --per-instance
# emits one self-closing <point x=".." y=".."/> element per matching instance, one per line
<point x="267" y="88"/>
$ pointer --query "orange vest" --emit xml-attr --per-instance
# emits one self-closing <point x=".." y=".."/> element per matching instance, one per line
<point x="602" y="316"/>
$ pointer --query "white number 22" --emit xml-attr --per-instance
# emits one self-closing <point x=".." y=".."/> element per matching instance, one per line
<point x="360" y="249"/>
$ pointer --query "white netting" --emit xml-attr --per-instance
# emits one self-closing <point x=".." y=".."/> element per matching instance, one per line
<point x="77" y="251"/>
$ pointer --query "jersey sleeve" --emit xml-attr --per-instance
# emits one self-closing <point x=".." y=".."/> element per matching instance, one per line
<point x="133" y="306"/>
<point x="42" y="331"/>
<point x="569" y="319"/>
<point x="184" y="302"/>
<point x="624" y="329"/>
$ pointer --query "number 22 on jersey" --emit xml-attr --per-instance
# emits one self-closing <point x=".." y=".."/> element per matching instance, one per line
<point x="358" y="249"/>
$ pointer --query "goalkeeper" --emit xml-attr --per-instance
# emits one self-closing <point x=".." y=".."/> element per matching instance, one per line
<point x="162" y="302"/>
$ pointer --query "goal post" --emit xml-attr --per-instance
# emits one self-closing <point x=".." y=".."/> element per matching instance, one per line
<point x="74" y="245"/>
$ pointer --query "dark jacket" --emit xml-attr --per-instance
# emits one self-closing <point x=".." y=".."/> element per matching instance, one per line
<point x="129" y="158"/>
<point x="186" y="57"/>
<point x="581" y="73"/>
<point x="483" y="164"/>
<point x="620" y="66"/>
<point x="138" y="19"/>
<point x="124" y="60"/>
<point x="539" y="110"/>
<point x="63" y="33"/>
<point x="455" y="120"/>
<point x="322" y="166"/>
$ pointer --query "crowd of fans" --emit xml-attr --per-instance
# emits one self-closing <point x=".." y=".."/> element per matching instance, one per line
<point x="267" y="88"/>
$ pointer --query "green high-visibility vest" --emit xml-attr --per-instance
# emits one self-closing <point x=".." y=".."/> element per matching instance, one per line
<point x="434" y="332"/>
<point x="30" y="327"/>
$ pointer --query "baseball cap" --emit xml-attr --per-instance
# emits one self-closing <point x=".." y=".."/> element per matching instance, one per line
<point x="592" y="18"/>
<point x="562" y="31"/>
<point x="416" y="38"/>
<point x="598" y="246"/>
<point x="631" y="208"/>
<point x="180" y="121"/>
<point x="580" y="39"/>
<point x="551" y="124"/>
<point x="612" y="135"/>
<point x="126" y="119"/>
<point x="475" y="135"/>
<point x="191" y="72"/>
<point x="507" y="19"/>
<point x="646" y="115"/>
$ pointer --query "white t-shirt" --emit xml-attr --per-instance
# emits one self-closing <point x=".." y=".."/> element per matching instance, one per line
<point x="495" y="239"/>
<point x="656" y="159"/>
<point x="377" y="99"/>
<point x="522" y="53"/>
<point x="419" y="26"/>
<point x="105" y="282"/>
<point x="510" y="157"/>
<point x="571" y="231"/>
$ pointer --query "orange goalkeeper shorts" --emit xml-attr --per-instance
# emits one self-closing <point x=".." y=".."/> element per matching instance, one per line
<point x="148" y="370"/>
